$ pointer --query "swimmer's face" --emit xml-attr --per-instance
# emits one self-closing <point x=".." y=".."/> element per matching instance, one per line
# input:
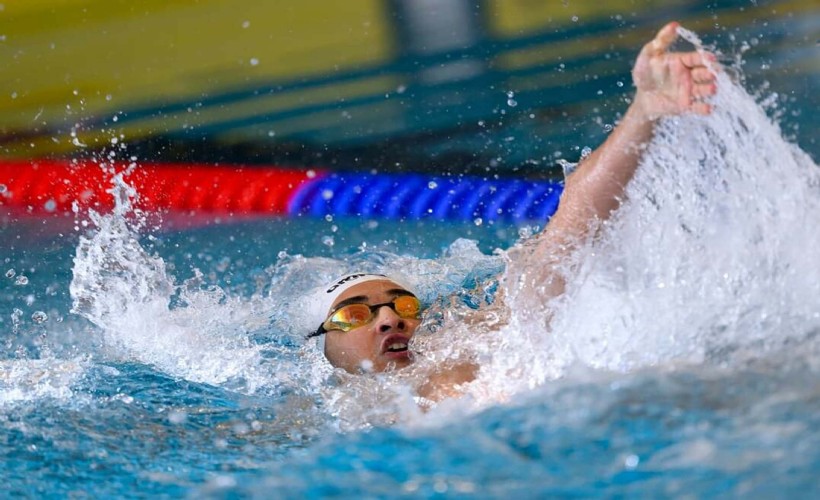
<point x="379" y="345"/>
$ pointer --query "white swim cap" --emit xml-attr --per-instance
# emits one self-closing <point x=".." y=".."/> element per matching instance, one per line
<point x="319" y="303"/>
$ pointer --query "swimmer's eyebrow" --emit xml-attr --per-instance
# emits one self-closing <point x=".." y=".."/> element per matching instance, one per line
<point x="362" y="299"/>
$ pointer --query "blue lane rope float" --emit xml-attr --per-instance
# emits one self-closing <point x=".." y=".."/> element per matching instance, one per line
<point x="413" y="196"/>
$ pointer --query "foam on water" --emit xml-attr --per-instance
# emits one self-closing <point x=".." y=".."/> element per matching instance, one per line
<point x="23" y="380"/>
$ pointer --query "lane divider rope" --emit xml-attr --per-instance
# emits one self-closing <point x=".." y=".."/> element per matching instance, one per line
<point x="40" y="188"/>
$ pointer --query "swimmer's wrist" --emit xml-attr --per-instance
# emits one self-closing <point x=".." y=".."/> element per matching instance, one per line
<point x="641" y="109"/>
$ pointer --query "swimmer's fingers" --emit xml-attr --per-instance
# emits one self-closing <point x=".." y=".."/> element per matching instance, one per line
<point x="703" y="75"/>
<point x="663" y="39"/>
<point x="694" y="60"/>
<point x="701" y="108"/>
<point x="702" y="90"/>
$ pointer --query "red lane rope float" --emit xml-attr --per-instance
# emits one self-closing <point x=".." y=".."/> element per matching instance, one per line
<point x="42" y="187"/>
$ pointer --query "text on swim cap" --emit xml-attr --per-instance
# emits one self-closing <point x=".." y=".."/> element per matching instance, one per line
<point x="348" y="279"/>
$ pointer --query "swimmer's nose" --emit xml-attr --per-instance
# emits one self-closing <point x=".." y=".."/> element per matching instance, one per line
<point x="388" y="321"/>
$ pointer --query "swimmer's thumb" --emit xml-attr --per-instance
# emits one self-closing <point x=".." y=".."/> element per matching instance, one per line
<point x="665" y="37"/>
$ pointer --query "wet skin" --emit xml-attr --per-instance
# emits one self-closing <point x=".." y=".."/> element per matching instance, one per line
<point x="368" y="348"/>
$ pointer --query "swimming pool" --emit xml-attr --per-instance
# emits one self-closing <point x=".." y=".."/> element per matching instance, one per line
<point x="683" y="360"/>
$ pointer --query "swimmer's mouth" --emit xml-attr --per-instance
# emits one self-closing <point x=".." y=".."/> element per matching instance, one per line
<point x="396" y="345"/>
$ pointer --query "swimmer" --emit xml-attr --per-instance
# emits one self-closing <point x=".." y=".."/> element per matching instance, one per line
<point x="366" y="321"/>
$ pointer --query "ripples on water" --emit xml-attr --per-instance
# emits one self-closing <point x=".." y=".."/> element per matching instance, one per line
<point x="683" y="358"/>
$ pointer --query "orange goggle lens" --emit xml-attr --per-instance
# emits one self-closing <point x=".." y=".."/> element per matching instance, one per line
<point x="355" y="315"/>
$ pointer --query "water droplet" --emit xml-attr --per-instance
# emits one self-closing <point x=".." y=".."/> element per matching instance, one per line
<point x="39" y="317"/>
<point x="177" y="417"/>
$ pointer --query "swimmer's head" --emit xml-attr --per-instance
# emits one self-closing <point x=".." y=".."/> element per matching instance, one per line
<point x="365" y="322"/>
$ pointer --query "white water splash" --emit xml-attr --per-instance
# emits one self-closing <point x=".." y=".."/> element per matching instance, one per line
<point x="712" y="258"/>
<point x="126" y="292"/>
<point x="25" y="380"/>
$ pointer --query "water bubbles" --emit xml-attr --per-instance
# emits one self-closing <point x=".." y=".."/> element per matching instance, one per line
<point x="21" y="281"/>
<point x="328" y="241"/>
<point x="254" y="61"/>
<point x="432" y="185"/>
<point x="50" y="206"/>
<point x="10" y="273"/>
<point x="574" y="19"/>
<point x="3" y="189"/>
<point x="619" y="83"/>
<point x="16" y="314"/>
<point x="511" y="102"/>
<point x="401" y="89"/>
<point x="177" y="417"/>
<point x="327" y="194"/>
<point x="607" y="127"/>
<point x="586" y="151"/>
<point x="631" y="461"/>
<point x="39" y="317"/>
<point x="246" y="24"/>
<point x="478" y="221"/>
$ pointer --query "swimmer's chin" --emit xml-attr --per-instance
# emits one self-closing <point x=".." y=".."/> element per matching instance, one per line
<point x="388" y="362"/>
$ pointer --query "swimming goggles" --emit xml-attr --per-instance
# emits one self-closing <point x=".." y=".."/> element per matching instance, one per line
<point x="352" y="316"/>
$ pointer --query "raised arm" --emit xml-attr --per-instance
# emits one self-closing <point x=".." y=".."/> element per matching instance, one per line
<point x="667" y="83"/>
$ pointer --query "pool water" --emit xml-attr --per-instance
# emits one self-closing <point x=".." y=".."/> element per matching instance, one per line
<point x="682" y="360"/>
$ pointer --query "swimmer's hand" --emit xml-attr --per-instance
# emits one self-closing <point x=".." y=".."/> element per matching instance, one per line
<point x="671" y="83"/>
